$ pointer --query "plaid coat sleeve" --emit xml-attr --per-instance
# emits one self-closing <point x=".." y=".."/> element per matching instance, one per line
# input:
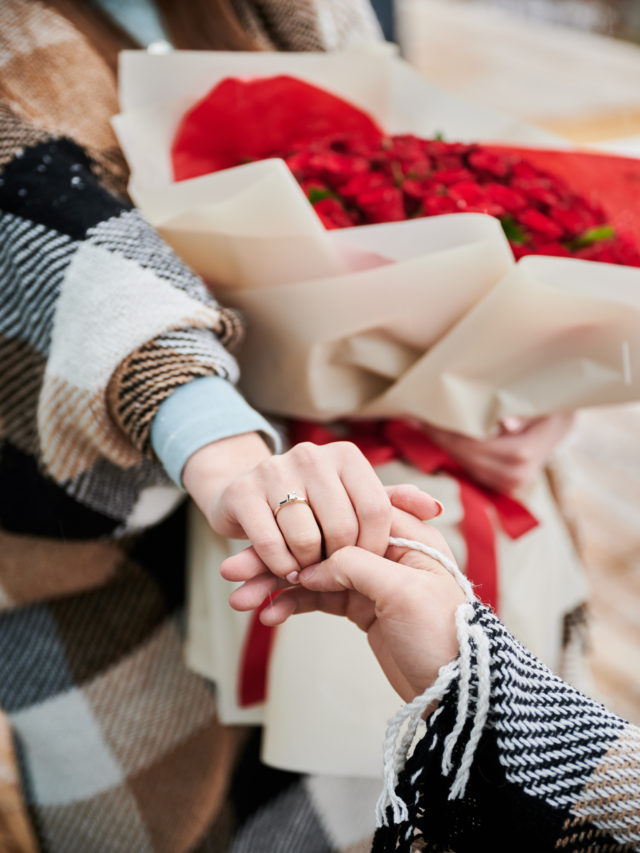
<point x="553" y="770"/>
<point x="99" y="320"/>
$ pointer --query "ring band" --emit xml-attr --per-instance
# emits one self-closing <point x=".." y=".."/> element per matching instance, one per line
<point x="291" y="498"/>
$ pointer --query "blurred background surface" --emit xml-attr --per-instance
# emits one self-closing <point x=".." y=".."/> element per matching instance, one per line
<point x="557" y="63"/>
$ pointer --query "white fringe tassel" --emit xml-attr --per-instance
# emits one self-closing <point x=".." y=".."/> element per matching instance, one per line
<point x="396" y="753"/>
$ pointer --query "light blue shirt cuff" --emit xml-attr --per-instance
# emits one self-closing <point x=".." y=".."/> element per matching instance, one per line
<point x="199" y="412"/>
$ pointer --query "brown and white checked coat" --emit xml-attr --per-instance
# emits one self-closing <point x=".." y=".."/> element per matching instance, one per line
<point x="118" y="744"/>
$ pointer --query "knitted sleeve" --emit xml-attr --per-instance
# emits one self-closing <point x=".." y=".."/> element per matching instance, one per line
<point x="303" y="25"/>
<point x="99" y="321"/>
<point x="552" y="769"/>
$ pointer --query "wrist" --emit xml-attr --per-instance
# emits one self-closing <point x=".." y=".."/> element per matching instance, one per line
<point x="209" y="470"/>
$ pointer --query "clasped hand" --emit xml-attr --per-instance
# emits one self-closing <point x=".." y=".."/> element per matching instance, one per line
<point x="405" y="601"/>
<point x="238" y="485"/>
<point x="330" y="552"/>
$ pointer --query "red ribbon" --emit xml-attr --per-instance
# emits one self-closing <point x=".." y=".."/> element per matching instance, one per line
<point x="252" y="686"/>
<point x="380" y="442"/>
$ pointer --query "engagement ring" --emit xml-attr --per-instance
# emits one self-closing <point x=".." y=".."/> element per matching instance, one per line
<point x="291" y="498"/>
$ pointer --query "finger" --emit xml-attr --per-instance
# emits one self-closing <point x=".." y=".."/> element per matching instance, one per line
<point x="505" y="473"/>
<point x="355" y="607"/>
<point x="253" y="593"/>
<point x="258" y="522"/>
<point x="370" y="502"/>
<point x="316" y="470"/>
<point x="412" y="500"/>
<point x="487" y="470"/>
<point x="513" y="424"/>
<point x="406" y="497"/>
<point x="301" y="600"/>
<point x="353" y="568"/>
<point x="242" y="566"/>
<point x="406" y="526"/>
<point x="470" y="451"/>
<point x="278" y="611"/>
<point x="334" y="510"/>
<point x="300" y="530"/>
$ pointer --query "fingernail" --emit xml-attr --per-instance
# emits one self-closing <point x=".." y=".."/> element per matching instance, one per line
<point x="440" y="508"/>
<point x="305" y="574"/>
<point x="293" y="577"/>
<point x="512" y="423"/>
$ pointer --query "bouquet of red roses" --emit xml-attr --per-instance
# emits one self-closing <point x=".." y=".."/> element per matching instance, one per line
<point x="355" y="174"/>
<point x="405" y="276"/>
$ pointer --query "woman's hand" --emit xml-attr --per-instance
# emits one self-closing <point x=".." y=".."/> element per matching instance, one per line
<point x="238" y="485"/>
<point x="404" y="601"/>
<point x="513" y="458"/>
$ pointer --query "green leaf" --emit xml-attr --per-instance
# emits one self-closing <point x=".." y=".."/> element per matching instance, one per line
<point x="319" y="195"/>
<point x="514" y="233"/>
<point x="439" y="135"/>
<point x="593" y="235"/>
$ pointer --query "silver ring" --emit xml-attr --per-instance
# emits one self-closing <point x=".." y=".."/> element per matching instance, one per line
<point x="291" y="498"/>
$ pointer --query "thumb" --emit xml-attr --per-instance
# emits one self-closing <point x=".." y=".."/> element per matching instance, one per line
<point x="353" y="568"/>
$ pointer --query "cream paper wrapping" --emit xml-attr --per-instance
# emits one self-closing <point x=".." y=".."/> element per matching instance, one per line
<point x="430" y="318"/>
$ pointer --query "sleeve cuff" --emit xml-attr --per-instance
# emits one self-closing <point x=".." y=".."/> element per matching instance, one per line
<point x="199" y="412"/>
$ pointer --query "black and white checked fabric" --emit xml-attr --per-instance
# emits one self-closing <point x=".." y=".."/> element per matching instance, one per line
<point x="553" y="769"/>
<point x="550" y="737"/>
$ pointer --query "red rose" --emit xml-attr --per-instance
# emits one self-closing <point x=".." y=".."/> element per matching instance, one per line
<point x="436" y="205"/>
<point x="488" y="161"/>
<point x="382" y="204"/>
<point x="537" y="190"/>
<point x="452" y="176"/>
<point x="572" y="219"/>
<point x="537" y="221"/>
<point x="364" y="182"/>
<point x="556" y="249"/>
<point x="506" y="197"/>
<point x="332" y="214"/>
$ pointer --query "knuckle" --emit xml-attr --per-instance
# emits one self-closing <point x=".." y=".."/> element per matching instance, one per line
<point x="344" y="557"/>
<point x="522" y="456"/>
<point x="349" y="450"/>
<point x="267" y="545"/>
<point x="236" y="489"/>
<point x="307" y="454"/>
<point x="343" y="534"/>
<point x="376" y="511"/>
<point x="263" y="471"/>
<point x="437" y="539"/>
<point x="306" y="542"/>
